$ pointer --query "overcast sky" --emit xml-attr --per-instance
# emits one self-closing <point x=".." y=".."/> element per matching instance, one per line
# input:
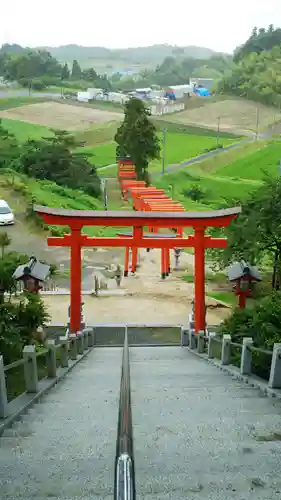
<point x="218" y="24"/>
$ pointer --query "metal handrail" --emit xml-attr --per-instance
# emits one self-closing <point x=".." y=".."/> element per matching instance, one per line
<point x="124" y="480"/>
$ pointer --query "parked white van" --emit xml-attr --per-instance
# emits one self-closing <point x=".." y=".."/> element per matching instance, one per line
<point x="6" y="214"/>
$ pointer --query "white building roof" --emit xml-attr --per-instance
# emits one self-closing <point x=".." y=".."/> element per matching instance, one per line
<point x="187" y="86"/>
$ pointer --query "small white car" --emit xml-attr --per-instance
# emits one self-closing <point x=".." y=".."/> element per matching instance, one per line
<point x="6" y="215"/>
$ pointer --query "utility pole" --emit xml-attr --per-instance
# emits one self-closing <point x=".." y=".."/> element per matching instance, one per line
<point x="258" y="122"/>
<point x="218" y="131"/>
<point x="163" y="150"/>
<point x="104" y="190"/>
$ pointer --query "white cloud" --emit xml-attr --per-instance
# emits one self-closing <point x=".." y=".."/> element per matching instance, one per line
<point x="218" y="24"/>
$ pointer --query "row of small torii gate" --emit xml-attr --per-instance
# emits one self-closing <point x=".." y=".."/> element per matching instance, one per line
<point x="153" y="210"/>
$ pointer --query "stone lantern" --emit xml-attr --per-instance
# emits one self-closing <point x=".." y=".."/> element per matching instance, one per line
<point x="243" y="275"/>
<point x="33" y="274"/>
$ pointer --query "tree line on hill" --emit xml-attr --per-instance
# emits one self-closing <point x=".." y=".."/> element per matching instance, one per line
<point x="176" y="70"/>
<point x="256" y="70"/>
<point x="39" y="69"/>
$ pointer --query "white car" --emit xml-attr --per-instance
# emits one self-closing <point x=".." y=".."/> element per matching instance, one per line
<point x="6" y="215"/>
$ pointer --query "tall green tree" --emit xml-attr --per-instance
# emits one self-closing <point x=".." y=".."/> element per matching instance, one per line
<point x="76" y="72"/>
<point x="65" y="72"/>
<point x="137" y="137"/>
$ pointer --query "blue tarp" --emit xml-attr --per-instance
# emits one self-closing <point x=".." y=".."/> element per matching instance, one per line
<point x="202" y="92"/>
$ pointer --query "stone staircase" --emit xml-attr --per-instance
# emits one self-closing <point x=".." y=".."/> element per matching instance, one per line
<point x="198" y="433"/>
<point x="64" y="447"/>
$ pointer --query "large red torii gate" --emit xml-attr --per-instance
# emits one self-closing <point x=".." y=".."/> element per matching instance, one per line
<point x="76" y="219"/>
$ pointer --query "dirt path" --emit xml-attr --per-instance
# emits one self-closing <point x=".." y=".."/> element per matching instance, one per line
<point x="147" y="299"/>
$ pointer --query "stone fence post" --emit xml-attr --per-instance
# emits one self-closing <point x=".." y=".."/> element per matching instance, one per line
<point x="80" y="342"/>
<point x="91" y="337"/>
<point x="73" y="346"/>
<point x="51" y="358"/>
<point x="3" y="391"/>
<point x="192" y="341"/>
<point x="211" y="345"/>
<point x="30" y="369"/>
<point x="85" y="339"/>
<point x="226" y="350"/>
<point x="246" y="357"/>
<point x="275" y="370"/>
<point x="201" y="342"/>
<point x="63" y="351"/>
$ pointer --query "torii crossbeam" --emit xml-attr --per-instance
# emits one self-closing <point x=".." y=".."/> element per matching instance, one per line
<point x="77" y="219"/>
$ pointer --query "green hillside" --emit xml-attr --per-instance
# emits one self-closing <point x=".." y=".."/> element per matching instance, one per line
<point x="179" y="148"/>
<point x="255" y="165"/>
<point x="24" y="131"/>
<point x="223" y="180"/>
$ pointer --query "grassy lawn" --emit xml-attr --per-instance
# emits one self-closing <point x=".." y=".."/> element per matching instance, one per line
<point x="227" y="297"/>
<point x="179" y="148"/>
<point x="254" y="166"/>
<point x="24" y="131"/>
<point x="216" y="192"/>
<point x="217" y="162"/>
<point x="15" y="102"/>
<point x="191" y="130"/>
<point x="102" y="155"/>
<point x="210" y="277"/>
<point x="98" y="134"/>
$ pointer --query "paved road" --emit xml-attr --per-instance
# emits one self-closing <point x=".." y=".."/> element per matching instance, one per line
<point x="5" y="94"/>
<point x="199" y="435"/>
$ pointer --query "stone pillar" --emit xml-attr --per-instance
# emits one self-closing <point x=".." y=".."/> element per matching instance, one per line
<point x="184" y="337"/>
<point x="63" y="351"/>
<point x="85" y="339"/>
<point x="73" y="346"/>
<point x="192" y="341"/>
<point x="91" y="337"/>
<point x="51" y="358"/>
<point x="275" y="370"/>
<point x="226" y="350"/>
<point x="211" y="345"/>
<point x="30" y="369"/>
<point x="80" y="343"/>
<point x="3" y="391"/>
<point x="246" y="357"/>
<point x="201" y="342"/>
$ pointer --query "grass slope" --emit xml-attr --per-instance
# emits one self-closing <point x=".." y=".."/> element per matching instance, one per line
<point x="16" y="102"/>
<point x="255" y="165"/>
<point x="225" y="179"/>
<point x="179" y="148"/>
<point x="24" y="130"/>
<point x="18" y="189"/>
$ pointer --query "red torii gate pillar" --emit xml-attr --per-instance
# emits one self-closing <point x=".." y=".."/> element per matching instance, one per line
<point x="199" y="282"/>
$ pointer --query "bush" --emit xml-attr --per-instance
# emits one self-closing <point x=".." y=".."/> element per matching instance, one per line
<point x="195" y="192"/>
<point x="262" y="323"/>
